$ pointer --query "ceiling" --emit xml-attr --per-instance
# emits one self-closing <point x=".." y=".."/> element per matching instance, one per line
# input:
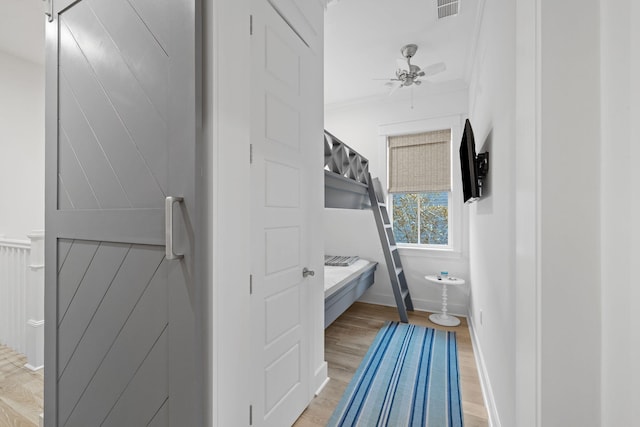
<point x="22" y="29"/>
<point x="363" y="40"/>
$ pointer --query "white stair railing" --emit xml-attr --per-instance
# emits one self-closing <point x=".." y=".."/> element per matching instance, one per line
<point x="22" y="296"/>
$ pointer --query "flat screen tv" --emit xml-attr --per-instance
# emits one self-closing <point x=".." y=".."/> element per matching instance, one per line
<point x="473" y="167"/>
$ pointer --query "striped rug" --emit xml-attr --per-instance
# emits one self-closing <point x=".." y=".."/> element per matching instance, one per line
<point x="409" y="377"/>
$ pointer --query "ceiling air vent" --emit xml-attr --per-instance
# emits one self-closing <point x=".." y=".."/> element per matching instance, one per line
<point x="447" y="8"/>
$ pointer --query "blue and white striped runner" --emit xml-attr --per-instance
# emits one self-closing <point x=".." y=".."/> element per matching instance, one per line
<point x="409" y="377"/>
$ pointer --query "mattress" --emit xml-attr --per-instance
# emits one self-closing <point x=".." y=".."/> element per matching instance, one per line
<point x="336" y="277"/>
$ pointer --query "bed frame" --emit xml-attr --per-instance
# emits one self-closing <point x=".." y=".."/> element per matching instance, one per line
<point x="349" y="292"/>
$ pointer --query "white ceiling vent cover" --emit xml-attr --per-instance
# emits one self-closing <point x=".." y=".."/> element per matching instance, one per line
<point x="447" y="8"/>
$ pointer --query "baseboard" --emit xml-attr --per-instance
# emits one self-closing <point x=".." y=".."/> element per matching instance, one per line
<point x="321" y="378"/>
<point x="485" y="383"/>
<point x="319" y="390"/>
<point x="418" y="304"/>
<point x="33" y="368"/>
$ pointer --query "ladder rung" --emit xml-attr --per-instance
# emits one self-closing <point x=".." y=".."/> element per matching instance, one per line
<point x="393" y="248"/>
<point x="384" y="205"/>
<point x="387" y="225"/>
<point x="398" y="271"/>
<point x="405" y="293"/>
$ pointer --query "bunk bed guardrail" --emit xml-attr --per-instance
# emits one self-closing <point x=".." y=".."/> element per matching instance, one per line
<point x="345" y="175"/>
<point x="343" y="160"/>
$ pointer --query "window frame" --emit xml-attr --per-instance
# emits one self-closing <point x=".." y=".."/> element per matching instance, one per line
<point x="455" y="210"/>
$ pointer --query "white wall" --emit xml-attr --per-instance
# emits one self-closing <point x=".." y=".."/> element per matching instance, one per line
<point x="558" y="196"/>
<point x="569" y="214"/>
<point x="21" y="146"/>
<point x="526" y="224"/>
<point x="225" y="150"/>
<point x="351" y="232"/>
<point x="633" y="293"/>
<point x="566" y="159"/>
<point x="357" y="124"/>
<point x="620" y="41"/>
<point x="492" y="218"/>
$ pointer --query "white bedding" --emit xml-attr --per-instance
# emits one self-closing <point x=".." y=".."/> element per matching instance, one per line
<point x="335" y="277"/>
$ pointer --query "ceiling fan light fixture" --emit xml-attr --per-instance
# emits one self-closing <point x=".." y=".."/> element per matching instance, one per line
<point x="409" y="50"/>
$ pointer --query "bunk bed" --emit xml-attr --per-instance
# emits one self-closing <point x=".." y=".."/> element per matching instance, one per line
<point x="344" y="285"/>
<point x="345" y="187"/>
<point x="348" y="185"/>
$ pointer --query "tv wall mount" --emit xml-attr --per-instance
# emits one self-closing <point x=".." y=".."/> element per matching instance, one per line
<point x="482" y="166"/>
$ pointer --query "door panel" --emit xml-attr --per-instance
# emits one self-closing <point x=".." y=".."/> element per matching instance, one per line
<point x="280" y="226"/>
<point x="284" y="190"/>
<point x="126" y="157"/>
<point x="98" y="276"/>
<point x="122" y="322"/>
<point x="129" y="322"/>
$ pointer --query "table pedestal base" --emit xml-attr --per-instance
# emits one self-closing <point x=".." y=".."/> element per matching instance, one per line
<point x="444" y="319"/>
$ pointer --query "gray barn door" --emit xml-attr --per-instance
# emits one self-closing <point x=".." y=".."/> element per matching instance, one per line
<point x="122" y="318"/>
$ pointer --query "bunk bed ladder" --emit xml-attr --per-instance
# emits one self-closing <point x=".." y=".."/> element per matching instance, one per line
<point x="391" y="255"/>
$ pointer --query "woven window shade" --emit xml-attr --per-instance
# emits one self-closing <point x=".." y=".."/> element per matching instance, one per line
<point x="420" y="162"/>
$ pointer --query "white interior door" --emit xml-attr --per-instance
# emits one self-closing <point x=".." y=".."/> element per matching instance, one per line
<point x="280" y="226"/>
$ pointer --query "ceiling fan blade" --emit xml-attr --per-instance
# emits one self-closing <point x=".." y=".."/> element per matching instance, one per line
<point x="433" y="69"/>
<point x="395" y="88"/>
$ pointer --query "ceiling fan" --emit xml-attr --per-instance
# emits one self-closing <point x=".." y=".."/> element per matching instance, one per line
<point x="408" y="74"/>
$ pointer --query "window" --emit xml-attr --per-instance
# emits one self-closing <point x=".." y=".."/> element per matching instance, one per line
<point x="420" y="187"/>
<point x="430" y="227"/>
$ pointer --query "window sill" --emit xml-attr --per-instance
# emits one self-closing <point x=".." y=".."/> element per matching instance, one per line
<point x="429" y="251"/>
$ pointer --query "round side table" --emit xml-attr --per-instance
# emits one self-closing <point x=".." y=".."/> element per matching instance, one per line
<point x="443" y="318"/>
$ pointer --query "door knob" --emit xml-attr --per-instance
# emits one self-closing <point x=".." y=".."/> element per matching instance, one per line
<point x="306" y="272"/>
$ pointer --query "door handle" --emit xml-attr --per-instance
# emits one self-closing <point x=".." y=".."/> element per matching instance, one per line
<point x="306" y="272"/>
<point x="168" y="227"/>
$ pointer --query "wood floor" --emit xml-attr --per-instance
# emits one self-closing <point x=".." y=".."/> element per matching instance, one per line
<point x="348" y="339"/>
<point x="20" y="391"/>
<point x="346" y="342"/>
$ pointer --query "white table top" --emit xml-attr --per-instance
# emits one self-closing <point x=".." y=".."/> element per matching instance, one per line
<point x="448" y="281"/>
